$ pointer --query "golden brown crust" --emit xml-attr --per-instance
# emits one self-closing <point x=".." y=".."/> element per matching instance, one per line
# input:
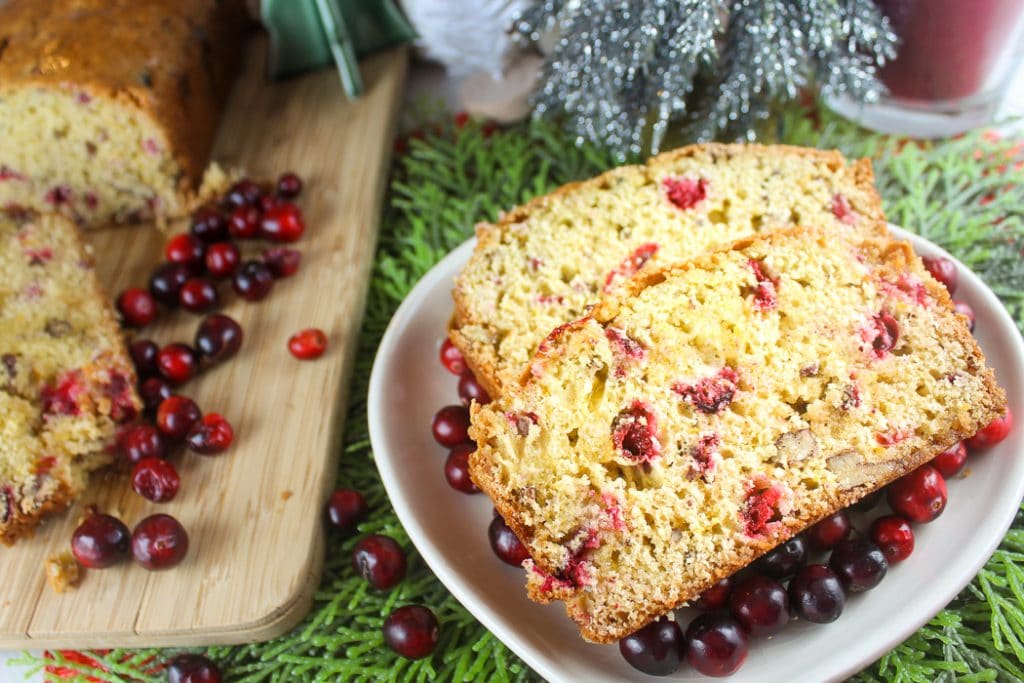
<point x="174" y="60"/>
<point x="481" y="358"/>
<point x="892" y="259"/>
<point x="23" y="524"/>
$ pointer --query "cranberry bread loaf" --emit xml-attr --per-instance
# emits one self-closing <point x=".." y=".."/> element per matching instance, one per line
<point x="715" y="408"/>
<point x="66" y="380"/>
<point x="108" y="108"/>
<point x="542" y="264"/>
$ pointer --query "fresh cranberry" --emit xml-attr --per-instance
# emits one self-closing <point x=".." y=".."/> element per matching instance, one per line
<point x="894" y="536"/>
<point x="283" y="223"/>
<point x="346" y="509"/>
<point x="782" y="561"/>
<point x="212" y="435"/>
<point x="143" y="353"/>
<point x="218" y="338"/>
<point x="411" y="631"/>
<point x="716" y="644"/>
<point x="456" y="468"/>
<point x="656" y="650"/>
<point x="155" y="479"/>
<point x="859" y="564"/>
<point x="154" y="391"/>
<point x="963" y="308"/>
<point x="943" y="270"/>
<point x="209" y="225"/>
<point x="816" y="594"/>
<point x="282" y="261"/>
<point x="760" y="604"/>
<point x="992" y="433"/>
<point x="470" y="390"/>
<point x="185" y="248"/>
<point x="159" y="542"/>
<point x="100" y="541"/>
<point x="176" y="415"/>
<point x="451" y="358"/>
<point x="829" y="531"/>
<point x="269" y="201"/>
<point x="379" y="560"/>
<point x="198" y="295"/>
<point x="253" y="281"/>
<point x="308" y="344"/>
<point x="142" y="441"/>
<point x="289" y="185"/>
<point x="192" y="668"/>
<point x="222" y="258"/>
<point x="715" y="597"/>
<point x="951" y="461"/>
<point x="177" y="363"/>
<point x="919" y="496"/>
<point x="137" y="307"/>
<point x="505" y="544"/>
<point x="244" y="193"/>
<point x="166" y="281"/>
<point x="869" y="501"/>
<point x="451" y="426"/>
<point x="244" y="222"/>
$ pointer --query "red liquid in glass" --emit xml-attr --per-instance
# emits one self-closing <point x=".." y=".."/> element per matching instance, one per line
<point x="949" y="47"/>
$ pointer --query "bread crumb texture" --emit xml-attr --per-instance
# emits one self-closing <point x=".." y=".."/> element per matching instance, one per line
<point x="66" y="380"/>
<point x="709" y="410"/>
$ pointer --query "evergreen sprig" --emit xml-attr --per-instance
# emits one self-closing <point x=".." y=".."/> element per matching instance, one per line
<point x="954" y="192"/>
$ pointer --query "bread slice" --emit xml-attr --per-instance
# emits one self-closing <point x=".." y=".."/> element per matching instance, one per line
<point x="542" y="264"/>
<point x="66" y="380"/>
<point x="108" y="108"/>
<point x="712" y="409"/>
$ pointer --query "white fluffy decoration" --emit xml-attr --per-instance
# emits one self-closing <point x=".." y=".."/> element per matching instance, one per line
<point x="465" y="36"/>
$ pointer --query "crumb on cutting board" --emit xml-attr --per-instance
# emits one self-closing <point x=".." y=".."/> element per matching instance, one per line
<point x="62" y="572"/>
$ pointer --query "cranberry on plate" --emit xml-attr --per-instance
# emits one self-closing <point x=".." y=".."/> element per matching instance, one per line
<point x="470" y="390"/>
<point x="829" y="531"/>
<point x="942" y="269"/>
<point x="282" y="223"/>
<point x="380" y="560"/>
<point x="346" y="509"/>
<point x="222" y="258"/>
<point x="784" y="560"/>
<point x="209" y="224"/>
<point x="244" y="193"/>
<point x="244" y="222"/>
<point x="185" y="248"/>
<point x="153" y="392"/>
<point x="505" y="544"/>
<point x="992" y="433"/>
<point x="951" y="461"/>
<point x="143" y="353"/>
<point x="451" y="426"/>
<point x="894" y="536"/>
<point x="760" y="605"/>
<point x="859" y="564"/>
<point x="192" y="668"/>
<point x="657" y="649"/>
<point x="100" y="541"/>
<point x="963" y="308"/>
<point x="716" y="644"/>
<point x="816" y="594"/>
<point x="177" y="363"/>
<point x="159" y="542"/>
<point x="451" y="358"/>
<point x="289" y="185"/>
<point x="166" y="281"/>
<point x="456" y="468"/>
<point x="253" y="281"/>
<point x="715" y="597"/>
<point x="140" y="441"/>
<point x="198" y="295"/>
<point x="919" y="496"/>
<point x="411" y="631"/>
<point x="282" y="261"/>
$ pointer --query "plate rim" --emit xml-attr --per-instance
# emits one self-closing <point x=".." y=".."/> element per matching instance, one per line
<point x="491" y="620"/>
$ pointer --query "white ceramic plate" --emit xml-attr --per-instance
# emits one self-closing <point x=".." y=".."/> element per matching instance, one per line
<point x="449" y="528"/>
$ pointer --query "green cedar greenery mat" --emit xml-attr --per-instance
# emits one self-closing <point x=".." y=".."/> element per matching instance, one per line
<point x="964" y="194"/>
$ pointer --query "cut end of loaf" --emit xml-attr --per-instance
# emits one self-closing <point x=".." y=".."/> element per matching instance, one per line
<point x="712" y="409"/>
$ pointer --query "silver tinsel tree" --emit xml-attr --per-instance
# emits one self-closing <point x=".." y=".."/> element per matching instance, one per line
<point x="621" y="72"/>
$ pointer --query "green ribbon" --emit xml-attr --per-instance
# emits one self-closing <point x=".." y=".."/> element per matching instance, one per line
<point x="309" y="34"/>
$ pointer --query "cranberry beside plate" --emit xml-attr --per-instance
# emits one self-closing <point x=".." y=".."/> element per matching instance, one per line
<point x="408" y="385"/>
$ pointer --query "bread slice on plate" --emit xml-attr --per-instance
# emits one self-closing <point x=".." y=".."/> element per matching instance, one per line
<point x="712" y="409"/>
<point x="66" y="380"/>
<point x="543" y="263"/>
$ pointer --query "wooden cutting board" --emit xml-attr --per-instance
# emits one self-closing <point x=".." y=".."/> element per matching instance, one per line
<point x="253" y="514"/>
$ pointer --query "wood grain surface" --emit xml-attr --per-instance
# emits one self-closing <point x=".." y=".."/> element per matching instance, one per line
<point x="253" y="514"/>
